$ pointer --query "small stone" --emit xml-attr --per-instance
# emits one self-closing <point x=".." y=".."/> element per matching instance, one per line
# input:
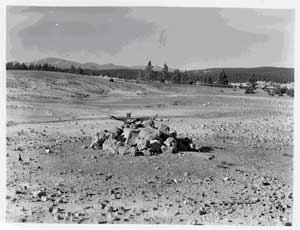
<point x="109" y="209"/>
<point x="84" y="147"/>
<point x="116" y="218"/>
<point x="67" y="215"/>
<point x="146" y="152"/>
<point x="39" y="193"/>
<point x="167" y="150"/>
<point x="59" y="217"/>
<point x="186" y="174"/>
<point x="59" y="201"/>
<point x="202" y="211"/>
<point x="55" y="211"/>
<point x="194" y="222"/>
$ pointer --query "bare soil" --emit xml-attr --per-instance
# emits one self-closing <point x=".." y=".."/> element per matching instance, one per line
<point x="52" y="117"/>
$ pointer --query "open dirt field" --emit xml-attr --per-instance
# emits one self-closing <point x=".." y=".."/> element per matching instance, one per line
<point x="52" y="117"/>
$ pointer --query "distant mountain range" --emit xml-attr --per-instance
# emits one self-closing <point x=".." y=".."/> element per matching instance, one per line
<point x="62" y="63"/>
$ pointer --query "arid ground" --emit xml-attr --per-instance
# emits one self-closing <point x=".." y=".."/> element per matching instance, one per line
<point x="52" y="117"/>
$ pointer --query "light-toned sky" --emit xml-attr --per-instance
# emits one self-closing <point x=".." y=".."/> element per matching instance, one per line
<point x="184" y="38"/>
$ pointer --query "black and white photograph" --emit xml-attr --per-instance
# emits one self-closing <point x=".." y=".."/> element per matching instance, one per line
<point x="152" y="115"/>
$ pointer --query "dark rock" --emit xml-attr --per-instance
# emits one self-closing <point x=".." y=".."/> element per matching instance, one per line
<point x="167" y="150"/>
<point x="155" y="146"/>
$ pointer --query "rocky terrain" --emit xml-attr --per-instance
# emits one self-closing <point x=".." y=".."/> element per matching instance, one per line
<point x="53" y="177"/>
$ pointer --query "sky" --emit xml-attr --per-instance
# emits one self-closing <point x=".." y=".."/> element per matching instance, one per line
<point x="184" y="38"/>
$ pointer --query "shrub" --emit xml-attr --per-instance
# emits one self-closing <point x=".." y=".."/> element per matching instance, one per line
<point x="249" y="90"/>
<point x="271" y="92"/>
<point x="290" y="92"/>
<point x="280" y="91"/>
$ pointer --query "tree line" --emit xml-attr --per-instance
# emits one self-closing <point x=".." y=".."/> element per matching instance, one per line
<point x="216" y="78"/>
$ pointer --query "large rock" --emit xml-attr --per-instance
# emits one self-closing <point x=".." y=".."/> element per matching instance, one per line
<point x="149" y="134"/>
<point x="142" y="144"/>
<point x="164" y="131"/>
<point x="148" y="124"/>
<point x="155" y="146"/>
<point x="173" y="134"/>
<point x="146" y="152"/>
<point x="117" y="131"/>
<point x="167" y="150"/>
<point x="122" y="149"/>
<point x="172" y="143"/>
<point x="127" y="134"/>
<point x="99" y="139"/>
<point x="132" y="151"/>
<point x="185" y="144"/>
<point x="111" y="145"/>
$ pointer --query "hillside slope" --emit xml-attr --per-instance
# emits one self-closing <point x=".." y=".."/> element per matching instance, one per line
<point x="66" y="86"/>
<point x="62" y="63"/>
<point x="278" y="74"/>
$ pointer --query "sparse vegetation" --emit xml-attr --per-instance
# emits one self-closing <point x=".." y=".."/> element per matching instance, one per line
<point x="290" y="92"/>
<point x="250" y="90"/>
<point x="212" y="77"/>
<point x="223" y="78"/>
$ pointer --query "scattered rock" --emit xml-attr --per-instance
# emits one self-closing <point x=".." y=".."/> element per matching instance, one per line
<point x="84" y="147"/>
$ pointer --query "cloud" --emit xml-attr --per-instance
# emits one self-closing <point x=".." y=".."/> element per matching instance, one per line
<point x="91" y="29"/>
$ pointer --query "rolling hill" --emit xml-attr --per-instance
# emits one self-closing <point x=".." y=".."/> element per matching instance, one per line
<point x="62" y="63"/>
<point x="277" y="74"/>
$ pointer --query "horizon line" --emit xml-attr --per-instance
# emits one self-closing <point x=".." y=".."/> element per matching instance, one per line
<point x="182" y="69"/>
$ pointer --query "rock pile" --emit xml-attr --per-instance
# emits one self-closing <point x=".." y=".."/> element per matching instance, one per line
<point x="141" y="139"/>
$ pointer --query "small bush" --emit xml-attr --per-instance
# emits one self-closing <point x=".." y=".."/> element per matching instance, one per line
<point x="249" y="90"/>
<point x="271" y="92"/>
<point x="280" y="91"/>
<point x="290" y="92"/>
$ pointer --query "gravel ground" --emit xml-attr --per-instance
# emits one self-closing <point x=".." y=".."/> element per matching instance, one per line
<point x="53" y="178"/>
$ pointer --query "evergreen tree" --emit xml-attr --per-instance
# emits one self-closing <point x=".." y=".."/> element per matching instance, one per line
<point x="165" y="68"/>
<point x="176" y="77"/>
<point x="72" y="70"/>
<point x="149" y="71"/>
<point x="80" y="71"/>
<point x="223" y="79"/>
